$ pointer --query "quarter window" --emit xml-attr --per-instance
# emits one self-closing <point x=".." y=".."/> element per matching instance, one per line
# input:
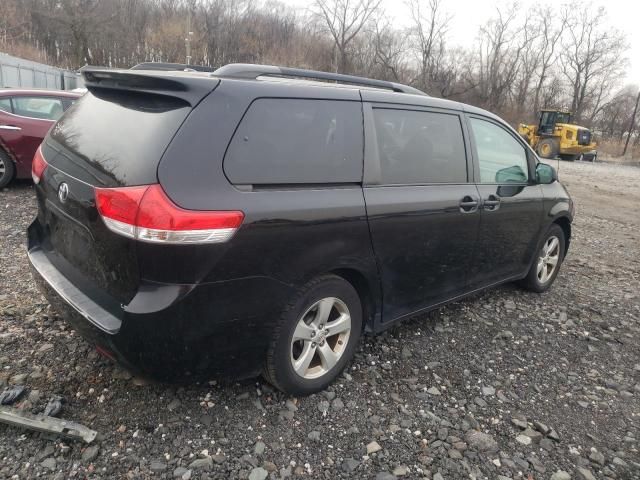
<point x="5" y="105"/>
<point x="296" y="141"/>
<point x="38" y="107"/>
<point x="501" y="158"/>
<point x="420" y="147"/>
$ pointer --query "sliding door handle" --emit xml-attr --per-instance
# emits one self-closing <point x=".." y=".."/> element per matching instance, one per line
<point x="492" y="202"/>
<point x="468" y="204"/>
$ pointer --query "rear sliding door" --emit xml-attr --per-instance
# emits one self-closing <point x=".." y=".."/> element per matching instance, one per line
<point x="422" y="207"/>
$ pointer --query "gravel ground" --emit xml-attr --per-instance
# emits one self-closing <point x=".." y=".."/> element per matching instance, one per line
<point x="506" y="384"/>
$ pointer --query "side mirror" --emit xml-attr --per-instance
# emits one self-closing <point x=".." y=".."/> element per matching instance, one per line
<point x="513" y="174"/>
<point x="545" y="174"/>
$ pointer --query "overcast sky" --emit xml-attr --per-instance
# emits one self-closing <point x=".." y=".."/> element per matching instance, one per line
<point x="468" y="15"/>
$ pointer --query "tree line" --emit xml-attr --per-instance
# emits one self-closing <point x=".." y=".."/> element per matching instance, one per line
<point x="556" y="56"/>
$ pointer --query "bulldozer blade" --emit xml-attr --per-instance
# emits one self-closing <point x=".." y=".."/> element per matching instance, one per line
<point x="46" y="424"/>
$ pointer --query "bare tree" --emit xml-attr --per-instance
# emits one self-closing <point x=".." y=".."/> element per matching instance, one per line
<point x="592" y="56"/>
<point x="551" y="33"/>
<point x="389" y="52"/>
<point x="615" y="116"/>
<point x="75" y="22"/>
<point x="500" y="50"/>
<point x="530" y="61"/>
<point x="430" y="25"/>
<point x="345" y="19"/>
<point x="631" y="124"/>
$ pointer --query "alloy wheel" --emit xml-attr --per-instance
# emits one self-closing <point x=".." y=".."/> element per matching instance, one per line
<point x="549" y="259"/>
<point x="320" y="338"/>
<point x="3" y="167"/>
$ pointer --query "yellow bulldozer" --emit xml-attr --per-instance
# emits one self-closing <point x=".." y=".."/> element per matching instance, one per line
<point x="555" y="135"/>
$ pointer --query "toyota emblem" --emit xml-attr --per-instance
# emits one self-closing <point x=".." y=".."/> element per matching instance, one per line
<point x="63" y="192"/>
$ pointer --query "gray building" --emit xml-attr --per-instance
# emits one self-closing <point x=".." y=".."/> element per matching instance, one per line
<point x="19" y="73"/>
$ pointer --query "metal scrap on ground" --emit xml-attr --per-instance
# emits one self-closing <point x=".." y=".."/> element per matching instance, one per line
<point x="11" y="394"/>
<point x="47" y="424"/>
<point x="54" y="406"/>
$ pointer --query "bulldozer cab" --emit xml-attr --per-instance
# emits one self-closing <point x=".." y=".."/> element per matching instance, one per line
<point x="549" y="118"/>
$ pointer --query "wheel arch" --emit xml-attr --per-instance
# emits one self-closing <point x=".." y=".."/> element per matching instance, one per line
<point x="7" y="151"/>
<point x="366" y="291"/>
<point x="565" y="224"/>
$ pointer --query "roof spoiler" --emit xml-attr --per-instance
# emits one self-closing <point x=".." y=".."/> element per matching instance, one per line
<point x="190" y="87"/>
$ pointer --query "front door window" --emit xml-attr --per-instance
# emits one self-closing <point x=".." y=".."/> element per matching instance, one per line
<point x="501" y="158"/>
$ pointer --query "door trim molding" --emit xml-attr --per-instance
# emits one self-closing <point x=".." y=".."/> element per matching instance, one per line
<point x="386" y="324"/>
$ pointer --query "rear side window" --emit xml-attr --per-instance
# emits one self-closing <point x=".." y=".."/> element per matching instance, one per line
<point x="296" y="141"/>
<point x="38" y="107"/>
<point x="420" y="147"/>
<point x="502" y="159"/>
<point x="5" y="105"/>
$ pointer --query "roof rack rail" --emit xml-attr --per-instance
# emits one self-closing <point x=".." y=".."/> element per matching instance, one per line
<point x="168" y="67"/>
<point x="250" y="71"/>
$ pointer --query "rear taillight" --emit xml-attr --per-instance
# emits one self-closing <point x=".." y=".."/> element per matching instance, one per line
<point x="38" y="166"/>
<point x="147" y="214"/>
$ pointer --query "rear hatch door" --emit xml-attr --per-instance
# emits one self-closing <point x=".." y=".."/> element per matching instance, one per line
<point x="114" y="136"/>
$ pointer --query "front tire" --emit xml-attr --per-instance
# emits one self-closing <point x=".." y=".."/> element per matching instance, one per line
<point x="546" y="265"/>
<point x="316" y="336"/>
<point x="548" y="148"/>
<point x="7" y="169"/>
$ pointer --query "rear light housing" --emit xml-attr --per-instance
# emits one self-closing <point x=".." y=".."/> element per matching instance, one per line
<point x="38" y="166"/>
<point x="145" y="213"/>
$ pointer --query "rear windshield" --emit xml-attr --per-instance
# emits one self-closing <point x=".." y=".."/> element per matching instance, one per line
<point x="118" y="137"/>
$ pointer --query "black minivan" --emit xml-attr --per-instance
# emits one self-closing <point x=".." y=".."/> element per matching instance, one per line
<point x="260" y="219"/>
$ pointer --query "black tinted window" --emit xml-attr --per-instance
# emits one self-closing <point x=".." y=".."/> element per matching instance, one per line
<point x="122" y="134"/>
<point x="288" y="141"/>
<point x="420" y="147"/>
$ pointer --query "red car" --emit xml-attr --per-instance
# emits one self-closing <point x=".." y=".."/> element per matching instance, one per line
<point x="25" y="118"/>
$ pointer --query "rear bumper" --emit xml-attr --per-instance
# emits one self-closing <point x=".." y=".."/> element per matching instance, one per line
<point x="169" y="332"/>
<point x="75" y="298"/>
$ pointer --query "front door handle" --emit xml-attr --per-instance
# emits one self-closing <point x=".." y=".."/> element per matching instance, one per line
<point x="468" y="204"/>
<point x="10" y="127"/>
<point x="492" y="202"/>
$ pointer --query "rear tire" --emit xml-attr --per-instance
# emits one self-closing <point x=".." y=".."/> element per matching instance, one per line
<point x="316" y="336"/>
<point x="7" y="169"/>
<point x="548" y="148"/>
<point x="548" y="261"/>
